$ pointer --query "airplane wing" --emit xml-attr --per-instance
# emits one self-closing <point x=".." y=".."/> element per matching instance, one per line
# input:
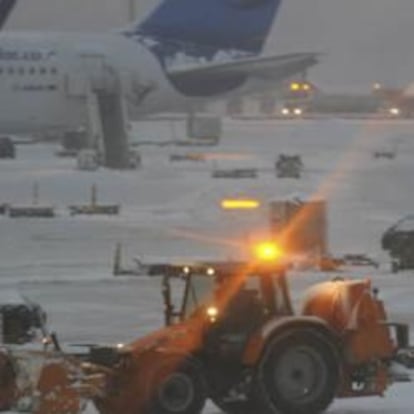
<point x="6" y="7"/>
<point x="272" y="68"/>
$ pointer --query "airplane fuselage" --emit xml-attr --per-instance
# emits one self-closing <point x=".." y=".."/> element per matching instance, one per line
<point x="45" y="78"/>
<point x="183" y="53"/>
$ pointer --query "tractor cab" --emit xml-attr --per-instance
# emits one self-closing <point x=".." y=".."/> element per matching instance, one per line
<point x="221" y="306"/>
<point x="231" y="293"/>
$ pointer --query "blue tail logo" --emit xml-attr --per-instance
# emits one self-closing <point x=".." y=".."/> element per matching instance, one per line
<point x="200" y="31"/>
<point x="212" y="25"/>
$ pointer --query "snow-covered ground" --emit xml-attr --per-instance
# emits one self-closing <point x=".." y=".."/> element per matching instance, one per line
<point x="172" y="210"/>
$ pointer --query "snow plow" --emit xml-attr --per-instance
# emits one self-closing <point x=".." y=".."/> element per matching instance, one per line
<point x="234" y="338"/>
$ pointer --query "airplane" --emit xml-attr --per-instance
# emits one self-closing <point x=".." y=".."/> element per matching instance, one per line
<point x="182" y="53"/>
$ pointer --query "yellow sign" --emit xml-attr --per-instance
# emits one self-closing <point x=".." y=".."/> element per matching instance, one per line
<point x="240" y="204"/>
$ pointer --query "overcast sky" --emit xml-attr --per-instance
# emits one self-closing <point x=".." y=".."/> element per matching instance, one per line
<point x="364" y="40"/>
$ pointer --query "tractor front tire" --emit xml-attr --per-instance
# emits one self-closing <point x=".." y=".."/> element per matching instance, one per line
<point x="298" y="373"/>
<point x="176" y="386"/>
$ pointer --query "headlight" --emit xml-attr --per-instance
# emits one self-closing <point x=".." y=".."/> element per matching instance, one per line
<point x="210" y="271"/>
<point x="212" y="313"/>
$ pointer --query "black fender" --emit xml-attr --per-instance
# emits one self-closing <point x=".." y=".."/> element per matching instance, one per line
<point x="282" y="326"/>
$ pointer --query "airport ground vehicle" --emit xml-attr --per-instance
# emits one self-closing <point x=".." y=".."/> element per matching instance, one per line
<point x="234" y="338"/>
<point x="289" y="166"/>
<point x="399" y="241"/>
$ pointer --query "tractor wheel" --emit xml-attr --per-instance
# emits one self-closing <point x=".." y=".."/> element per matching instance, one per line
<point x="298" y="373"/>
<point x="177" y="386"/>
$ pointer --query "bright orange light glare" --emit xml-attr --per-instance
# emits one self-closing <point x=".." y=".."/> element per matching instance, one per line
<point x="294" y="86"/>
<point x="240" y="204"/>
<point x="267" y="251"/>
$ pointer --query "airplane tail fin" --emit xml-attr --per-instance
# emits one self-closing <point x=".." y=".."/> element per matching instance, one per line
<point x="241" y="25"/>
<point x="6" y="7"/>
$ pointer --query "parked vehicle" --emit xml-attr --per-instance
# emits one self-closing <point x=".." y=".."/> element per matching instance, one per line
<point x="289" y="166"/>
<point x="398" y="240"/>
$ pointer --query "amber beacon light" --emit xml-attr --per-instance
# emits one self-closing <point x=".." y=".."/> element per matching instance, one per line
<point x="267" y="252"/>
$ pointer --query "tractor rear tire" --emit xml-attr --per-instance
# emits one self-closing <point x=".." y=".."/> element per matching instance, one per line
<point x="298" y="373"/>
<point x="177" y="386"/>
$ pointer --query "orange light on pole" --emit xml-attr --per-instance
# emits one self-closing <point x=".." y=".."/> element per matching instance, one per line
<point x="240" y="204"/>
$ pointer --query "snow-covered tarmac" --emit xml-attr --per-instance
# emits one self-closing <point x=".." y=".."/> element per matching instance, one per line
<point x="172" y="210"/>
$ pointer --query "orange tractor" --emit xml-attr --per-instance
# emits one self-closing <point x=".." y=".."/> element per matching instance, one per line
<point x="235" y="339"/>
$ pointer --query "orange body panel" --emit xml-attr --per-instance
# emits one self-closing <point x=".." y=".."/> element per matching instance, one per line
<point x="359" y="319"/>
<point x="355" y="315"/>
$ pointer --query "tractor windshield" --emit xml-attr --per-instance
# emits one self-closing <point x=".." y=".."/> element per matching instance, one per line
<point x="198" y="292"/>
<point x="268" y="290"/>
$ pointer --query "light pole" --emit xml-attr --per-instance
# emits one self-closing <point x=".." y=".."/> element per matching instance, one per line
<point x="131" y="10"/>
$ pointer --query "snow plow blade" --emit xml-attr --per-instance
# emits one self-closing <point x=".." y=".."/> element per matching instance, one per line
<point x="42" y="382"/>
